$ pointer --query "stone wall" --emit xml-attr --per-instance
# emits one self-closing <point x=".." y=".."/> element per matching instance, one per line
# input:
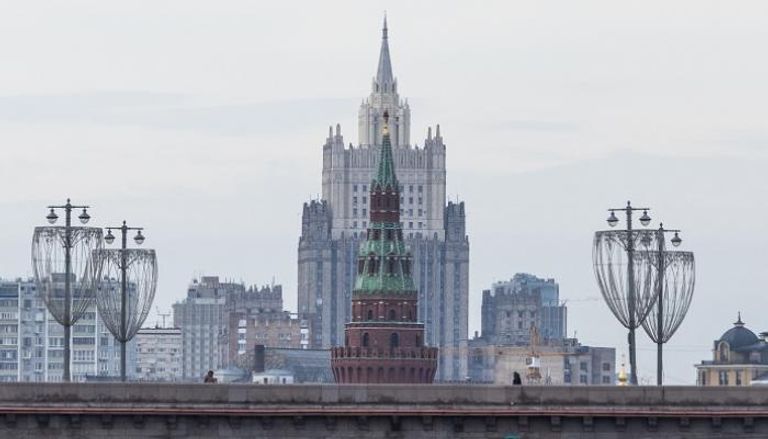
<point x="377" y="411"/>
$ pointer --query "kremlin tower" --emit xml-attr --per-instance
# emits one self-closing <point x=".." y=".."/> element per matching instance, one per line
<point x="384" y="342"/>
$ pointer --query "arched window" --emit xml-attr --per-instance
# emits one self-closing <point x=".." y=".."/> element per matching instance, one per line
<point x="392" y="315"/>
<point x="394" y="340"/>
<point x="406" y="267"/>
<point x="365" y="340"/>
<point x="391" y="265"/>
<point x="418" y="340"/>
<point x="370" y="314"/>
<point x="723" y="352"/>
<point x="360" y="266"/>
<point x="390" y="234"/>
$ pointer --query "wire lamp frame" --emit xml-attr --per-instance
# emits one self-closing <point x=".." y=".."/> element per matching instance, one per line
<point x="139" y="266"/>
<point x="610" y="258"/>
<point x="66" y="273"/>
<point x="674" y="276"/>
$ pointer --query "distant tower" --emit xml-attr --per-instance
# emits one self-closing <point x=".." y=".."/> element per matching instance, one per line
<point x="384" y="343"/>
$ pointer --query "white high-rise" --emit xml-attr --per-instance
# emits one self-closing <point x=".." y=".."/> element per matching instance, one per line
<point x="32" y="341"/>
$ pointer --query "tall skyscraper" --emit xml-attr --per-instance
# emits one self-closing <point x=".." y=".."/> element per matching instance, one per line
<point x="434" y="231"/>
<point x="384" y="342"/>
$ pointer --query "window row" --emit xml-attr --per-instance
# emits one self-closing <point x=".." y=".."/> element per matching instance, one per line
<point x="372" y="265"/>
<point x="389" y="234"/>
<point x="364" y="188"/>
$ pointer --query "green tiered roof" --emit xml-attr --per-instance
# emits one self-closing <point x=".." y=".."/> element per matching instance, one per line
<point x="400" y="281"/>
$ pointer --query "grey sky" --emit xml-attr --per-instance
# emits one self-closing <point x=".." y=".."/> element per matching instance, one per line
<point x="203" y="122"/>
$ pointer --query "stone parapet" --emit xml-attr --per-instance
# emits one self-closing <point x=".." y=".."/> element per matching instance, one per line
<point x="118" y="411"/>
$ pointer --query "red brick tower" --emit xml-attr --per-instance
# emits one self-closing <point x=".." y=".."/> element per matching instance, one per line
<point x="384" y="342"/>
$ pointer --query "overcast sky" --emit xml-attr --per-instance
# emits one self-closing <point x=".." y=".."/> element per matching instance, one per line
<point x="204" y="122"/>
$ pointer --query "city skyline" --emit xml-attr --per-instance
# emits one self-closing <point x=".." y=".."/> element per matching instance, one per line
<point x="504" y="137"/>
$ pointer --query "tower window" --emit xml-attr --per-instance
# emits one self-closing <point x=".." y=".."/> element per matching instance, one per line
<point x="394" y="340"/>
<point x="391" y="266"/>
<point x="365" y="340"/>
<point x="360" y="266"/>
<point x="370" y="314"/>
<point x="392" y="315"/>
<point x="372" y="265"/>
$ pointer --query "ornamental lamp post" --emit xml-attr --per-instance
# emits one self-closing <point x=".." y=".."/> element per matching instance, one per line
<point x="66" y="251"/>
<point x="124" y="313"/>
<point x="675" y="275"/>
<point x="620" y="282"/>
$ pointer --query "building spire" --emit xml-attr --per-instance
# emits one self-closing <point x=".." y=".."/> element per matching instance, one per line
<point x="385" y="175"/>
<point x="384" y="72"/>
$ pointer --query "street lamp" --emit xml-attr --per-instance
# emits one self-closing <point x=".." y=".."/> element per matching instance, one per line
<point x="66" y="250"/>
<point x="675" y="274"/>
<point x="618" y="280"/>
<point x="124" y="314"/>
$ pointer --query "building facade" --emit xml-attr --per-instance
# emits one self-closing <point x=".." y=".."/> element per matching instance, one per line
<point x="511" y="308"/>
<point x="32" y="341"/>
<point x="205" y="318"/>
<point x="334" y="227"/>
<point x="566" y="363"/>
<point x="158" y="354"/>
<point x="274" y="329"/>
<point x="303" y="365"/>
<point x="739" y="358"/>
<point x="384" y="341"/>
